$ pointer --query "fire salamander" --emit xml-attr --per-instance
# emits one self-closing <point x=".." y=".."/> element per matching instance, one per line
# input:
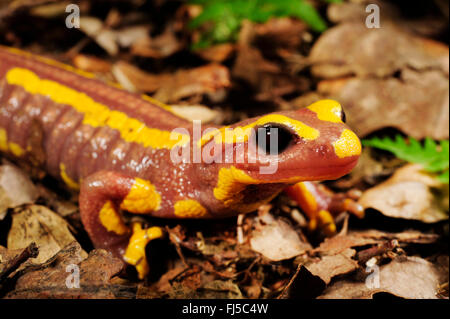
<point x="127" y="152"/>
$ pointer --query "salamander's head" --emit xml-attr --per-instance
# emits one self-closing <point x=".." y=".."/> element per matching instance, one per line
<point x="305" y="145"/>
<point x="312" y="143"/>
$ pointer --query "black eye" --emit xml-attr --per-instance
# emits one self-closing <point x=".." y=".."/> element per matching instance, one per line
<point x="343" y="118"/>
<point x="276" y="133"/>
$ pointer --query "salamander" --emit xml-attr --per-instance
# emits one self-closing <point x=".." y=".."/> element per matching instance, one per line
<point x="124" y="151"/>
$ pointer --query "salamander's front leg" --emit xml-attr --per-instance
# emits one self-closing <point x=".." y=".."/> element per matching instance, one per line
<point x="102" y="196"/>
<point x="320" y="205"/>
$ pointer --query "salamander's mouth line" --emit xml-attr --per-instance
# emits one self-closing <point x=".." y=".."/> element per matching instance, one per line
<point x="291" y="171"/>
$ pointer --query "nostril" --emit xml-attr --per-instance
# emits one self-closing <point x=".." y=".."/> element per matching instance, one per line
<point x="273" y="138"/>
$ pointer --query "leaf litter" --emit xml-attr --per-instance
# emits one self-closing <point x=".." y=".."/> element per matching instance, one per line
<point x="276" y="65"/>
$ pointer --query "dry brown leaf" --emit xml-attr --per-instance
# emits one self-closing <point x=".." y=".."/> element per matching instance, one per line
<point x="198" y="112"/>
<point x="372" y="104"/>
<point x="16" y="189"/>
<point x="407" y="195"/>
<point x="158" y="47"/>
<point x="410" y="277"/>
<point x="105" y="37"/>
<point x="50" y="280"/>
<point x="354" y="49"/>
<point x="217" y="53"/>
<point x="171" y="88"/>
<point x="91" y="63"/>
<point x="424" y="25"/>
<point x="277" y="241"/>
<point x="333" y="265"/>
<point x="35" y="223"/>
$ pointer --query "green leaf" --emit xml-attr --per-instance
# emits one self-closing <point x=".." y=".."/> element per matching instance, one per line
<point x="433" y="157"/>
<point x="221" y="20"/>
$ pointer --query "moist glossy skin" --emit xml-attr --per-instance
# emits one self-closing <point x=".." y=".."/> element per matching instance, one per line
<point x="116" y="146"/>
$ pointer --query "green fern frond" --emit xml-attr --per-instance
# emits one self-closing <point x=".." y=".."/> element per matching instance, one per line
<point x="432" y="156"/>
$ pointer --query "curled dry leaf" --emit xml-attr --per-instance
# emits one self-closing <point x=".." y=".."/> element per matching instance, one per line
<point x="158" y="47"/>
<point x="53" y="279"/>
<point x="105" y="37"/>
<point x="277" y="240"/>
<point x="405" y="277"/>
<point x="407" y="195"/>
<point x="170" y="88"/>
<point x="16" y="188"/>
<point x="198" y="112"/>
<point x="217" y="53"/>
<point x="35" y="223"/>
<point x="91" y="63"/>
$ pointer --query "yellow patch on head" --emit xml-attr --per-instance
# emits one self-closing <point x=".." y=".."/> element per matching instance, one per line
<point x="111" y="219"/>
<point x="69" y="181"/>
<point x="97" y="114"/>
<point x="327" y="110"/>
<point x="135" y="252"/>
<point x="231" y="184"/>
<point x="142" y="198"/>
<point x="347" y="145"/>
<point x="189" y="208"/>
<point x="241" y="134"/>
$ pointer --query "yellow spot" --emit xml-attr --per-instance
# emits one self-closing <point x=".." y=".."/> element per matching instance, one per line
<point x="69" y="181"/>
<point x="230" y="188"/>
<point x="242" y="133"/>
<point x="6" y="146"/>
<point x="135" y="252"/>
<point x="189" y="208"/>
<point x="96" y="114"/>
<point x="142" y="198"/>
<point x="3" y="140"/>
<point x="347" y="145"/>
<point x="111" y="219"/>
<point x="327" y="110"/>
<point x="16" y="149"/>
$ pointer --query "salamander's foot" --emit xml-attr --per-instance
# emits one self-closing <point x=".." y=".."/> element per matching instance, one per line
<point x="135" y="251"/>
<point x="321" y="205"/>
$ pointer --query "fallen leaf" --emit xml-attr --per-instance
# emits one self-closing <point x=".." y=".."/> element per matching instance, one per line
<point x="105" y="37"/>
<point x="91" y="63"/>
<point x="198" y="112"/>
<point x="277" y="241"/>
<point x="217" y="53"/>
<point x="12" y="259"/>
<point x="353" y="49"/>
<point x="34" y="223"/>
<point x="16" y="189"/>
<point x="330" y="266"/>
<point x="407" y="195"/>
<point x="158" y="47"/>
<point x="56" y="277"/>
<point x="372" y="104"/>
<point x="171" y="88"/>
<point x="405" y="277"/>
<point x="425" y="24"/>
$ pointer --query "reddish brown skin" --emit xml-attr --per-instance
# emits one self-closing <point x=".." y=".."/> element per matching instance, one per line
<point x="91" y="154"/>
